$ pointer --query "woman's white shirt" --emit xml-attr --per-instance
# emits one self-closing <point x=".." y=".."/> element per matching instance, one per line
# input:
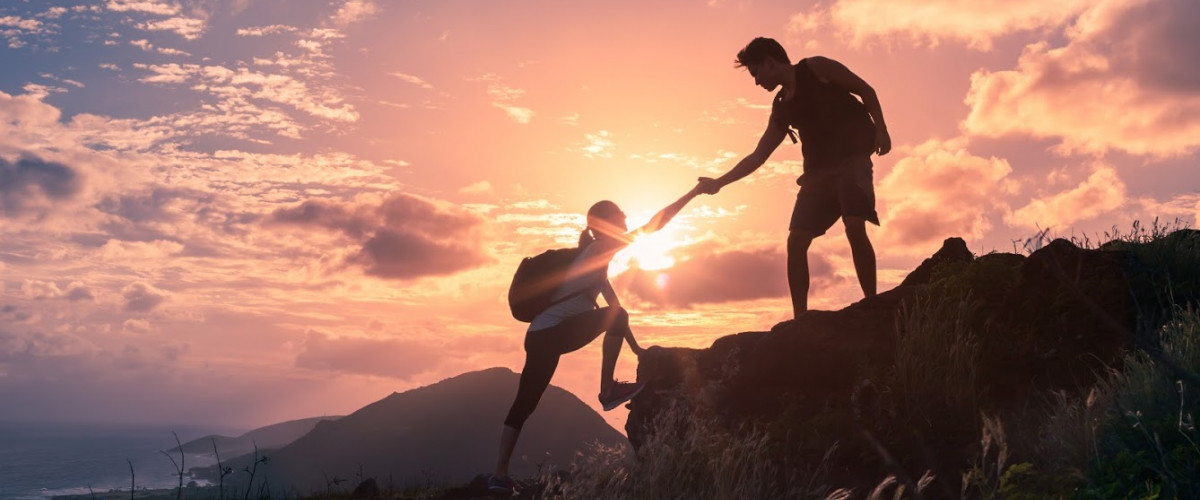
<point x="588" y="284"/>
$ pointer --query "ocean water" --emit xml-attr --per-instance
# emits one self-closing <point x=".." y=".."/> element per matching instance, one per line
<point x="40" y="460"/>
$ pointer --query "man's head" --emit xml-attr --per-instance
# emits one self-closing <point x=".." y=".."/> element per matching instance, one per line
<point x="766" y="60"/>
<point x="760" y="49"/>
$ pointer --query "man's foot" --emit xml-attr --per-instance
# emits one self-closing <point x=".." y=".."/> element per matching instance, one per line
<point x="501" y="485"/>
<point x="620" y="392"/>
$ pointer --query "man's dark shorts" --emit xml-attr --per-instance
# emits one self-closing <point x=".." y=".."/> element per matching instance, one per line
<point x="829" y="195"/>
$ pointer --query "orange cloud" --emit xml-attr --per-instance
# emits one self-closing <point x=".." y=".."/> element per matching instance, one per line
<point x="386" y="358"/>
<point x="1102" y="192"/>
<point x="975" y="23"/>
<point x="707" y="273"/>
<point x="402" y="237"/>
<point x="941" y="190"/>
<point x="1124" y="81"/>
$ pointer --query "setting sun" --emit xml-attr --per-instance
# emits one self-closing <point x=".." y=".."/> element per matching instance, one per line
<point x="648" y="252"/>
<point x="651" y="252"/>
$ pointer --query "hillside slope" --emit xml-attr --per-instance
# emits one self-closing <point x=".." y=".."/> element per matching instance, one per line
<point x="444" y="433"/>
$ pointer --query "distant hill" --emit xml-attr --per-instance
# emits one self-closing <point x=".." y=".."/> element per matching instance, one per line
<point x="269" y="437"/>
<point x="446" y="432"/>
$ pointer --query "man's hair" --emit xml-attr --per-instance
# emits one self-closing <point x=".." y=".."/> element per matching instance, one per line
<point x="760" y="49"/>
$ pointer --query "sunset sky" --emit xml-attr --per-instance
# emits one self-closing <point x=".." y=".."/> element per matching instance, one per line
<point x="248" y="211"/>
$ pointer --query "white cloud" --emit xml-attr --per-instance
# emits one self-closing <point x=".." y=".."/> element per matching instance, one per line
<point x="517" y="113"/>
<point x="146" y="46"/>
<point x="411" y="79"/>
<point x="597" y="145"/>
<point x="504" y="97"/>
<point x="21" y="24"/>
<point x="186" y="27"/>
<point x="145" y="6"/>
<point x="238" y="86"/>
<point x="273" y="29"/>
<point x="477" y="188"/>
<point x="53" y="12"/>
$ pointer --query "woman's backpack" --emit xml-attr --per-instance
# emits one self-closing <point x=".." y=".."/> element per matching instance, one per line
<point x="536" y="281"/>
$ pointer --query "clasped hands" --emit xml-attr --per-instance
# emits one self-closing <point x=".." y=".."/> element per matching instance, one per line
<point x="707" y="185"/>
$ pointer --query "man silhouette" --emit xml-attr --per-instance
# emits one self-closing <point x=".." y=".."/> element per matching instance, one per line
<point x="838" y="134"/>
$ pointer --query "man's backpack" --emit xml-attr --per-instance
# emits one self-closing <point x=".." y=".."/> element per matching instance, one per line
<point x="536" y="281"/>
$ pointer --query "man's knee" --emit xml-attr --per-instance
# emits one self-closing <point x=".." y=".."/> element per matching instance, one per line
<point x="856" y="228"/>
<point x="799" y="240"/>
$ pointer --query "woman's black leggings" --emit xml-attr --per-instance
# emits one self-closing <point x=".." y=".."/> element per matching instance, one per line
<point x="543" y="348"/>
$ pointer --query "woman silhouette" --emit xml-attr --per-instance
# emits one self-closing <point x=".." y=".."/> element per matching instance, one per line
<point x="575" y="320"/>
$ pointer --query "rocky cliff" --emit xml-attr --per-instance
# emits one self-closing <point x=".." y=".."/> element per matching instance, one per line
<point x="901" y="383"/>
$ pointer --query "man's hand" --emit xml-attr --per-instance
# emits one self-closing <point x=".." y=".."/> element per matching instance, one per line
<point x="708" y="185"/>
<point x="883" y="141"/>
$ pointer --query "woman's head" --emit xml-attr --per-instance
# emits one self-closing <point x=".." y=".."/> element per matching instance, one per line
<point x="604" y="218"/>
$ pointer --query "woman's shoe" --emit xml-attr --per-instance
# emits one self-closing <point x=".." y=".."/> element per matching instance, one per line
<point x="501" y="485"/>
<point x="620" y="392"/>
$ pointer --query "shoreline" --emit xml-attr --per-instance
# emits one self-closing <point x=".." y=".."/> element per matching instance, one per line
<point x="191" y="493"/>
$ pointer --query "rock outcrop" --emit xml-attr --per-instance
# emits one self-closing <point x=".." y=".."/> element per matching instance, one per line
<point x="1028" y="325"/>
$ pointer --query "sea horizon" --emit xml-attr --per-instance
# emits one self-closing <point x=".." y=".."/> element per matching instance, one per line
<point x="43" y="459"/>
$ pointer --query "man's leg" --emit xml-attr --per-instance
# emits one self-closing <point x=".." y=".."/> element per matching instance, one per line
<point x="797" y="269"/>
<point x="863" y="253"/>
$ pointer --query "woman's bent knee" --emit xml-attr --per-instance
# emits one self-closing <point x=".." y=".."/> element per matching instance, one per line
<point x="620" y="322"/>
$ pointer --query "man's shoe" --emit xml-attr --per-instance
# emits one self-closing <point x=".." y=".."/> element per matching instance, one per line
<point x="501" y="485"/>
<point x="620" y="392"/>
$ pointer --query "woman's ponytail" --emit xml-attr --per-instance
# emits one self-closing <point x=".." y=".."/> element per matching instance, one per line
<point x="601" y="211"/>
<point x="586" y="237"/>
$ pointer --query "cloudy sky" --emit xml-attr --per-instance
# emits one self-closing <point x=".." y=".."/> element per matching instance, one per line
<point x="246" y="211"/>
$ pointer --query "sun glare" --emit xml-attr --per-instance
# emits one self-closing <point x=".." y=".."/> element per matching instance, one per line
<point x="648" y="252"/>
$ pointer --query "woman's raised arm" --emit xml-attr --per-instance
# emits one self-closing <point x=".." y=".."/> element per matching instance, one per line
<point x="665" y="215"/>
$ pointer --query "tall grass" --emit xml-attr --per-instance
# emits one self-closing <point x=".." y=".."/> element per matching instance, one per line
<point x="690" y="456"/>
<point x="1133" y="434"/>
<point x="937" y="358"/>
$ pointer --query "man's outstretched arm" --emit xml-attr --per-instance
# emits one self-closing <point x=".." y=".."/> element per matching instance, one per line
<point x="838" y="74"/>
<point x="770" y="140"/>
